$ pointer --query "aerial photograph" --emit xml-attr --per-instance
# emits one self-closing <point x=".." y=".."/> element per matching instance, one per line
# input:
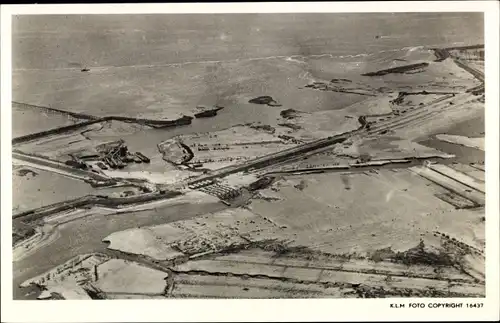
<point x="250" y="155"/>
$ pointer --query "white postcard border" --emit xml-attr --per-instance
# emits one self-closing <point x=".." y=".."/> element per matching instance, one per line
<point x="256" y="310"/>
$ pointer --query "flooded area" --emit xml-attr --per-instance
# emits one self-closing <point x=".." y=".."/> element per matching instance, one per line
<point x="85" y="236"/>
<point x="27" y="120"/>
<point x="465" y="155"/>
<point x="470" y="128"/>
<point x="133" y="91"/>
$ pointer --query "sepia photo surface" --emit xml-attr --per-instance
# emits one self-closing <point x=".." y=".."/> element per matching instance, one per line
<point x="248" y="156"/>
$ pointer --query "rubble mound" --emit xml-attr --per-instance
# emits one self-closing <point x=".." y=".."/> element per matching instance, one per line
<point x="207" y="112"/>
<point x="411" y="68"/>
<point x="340" y="81"/>
<point x="424" y="255"/>
<point x="265" y="100"/>
<point x="264" y="127"/>
<point x="289" y="113"/>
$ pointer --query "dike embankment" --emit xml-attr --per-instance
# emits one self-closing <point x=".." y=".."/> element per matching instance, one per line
<point x="54" y="131"/>
<point x="184" y="120"/>
<point x="477" y="74"/>
<point x="362" y="167"/>
<point x="444" y="53"/>
<point x="90" y="201"/>
<point x="75" y="115"/>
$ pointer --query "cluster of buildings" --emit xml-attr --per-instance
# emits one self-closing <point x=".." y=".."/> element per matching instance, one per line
<point x="119" y="157"/>
<point x="111" y="156"/>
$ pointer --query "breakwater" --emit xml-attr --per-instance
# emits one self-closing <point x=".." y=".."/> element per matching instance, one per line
<point x="74" y="115"/>
<point x="77" y="115"/>
<point x="362" y="167"/>
<point x="184" y="120"/>
<point x="478" y="46"/>
<point x="208" y="113"/>
<point x="54" y="131"/>
<point x="402" y="95"/>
